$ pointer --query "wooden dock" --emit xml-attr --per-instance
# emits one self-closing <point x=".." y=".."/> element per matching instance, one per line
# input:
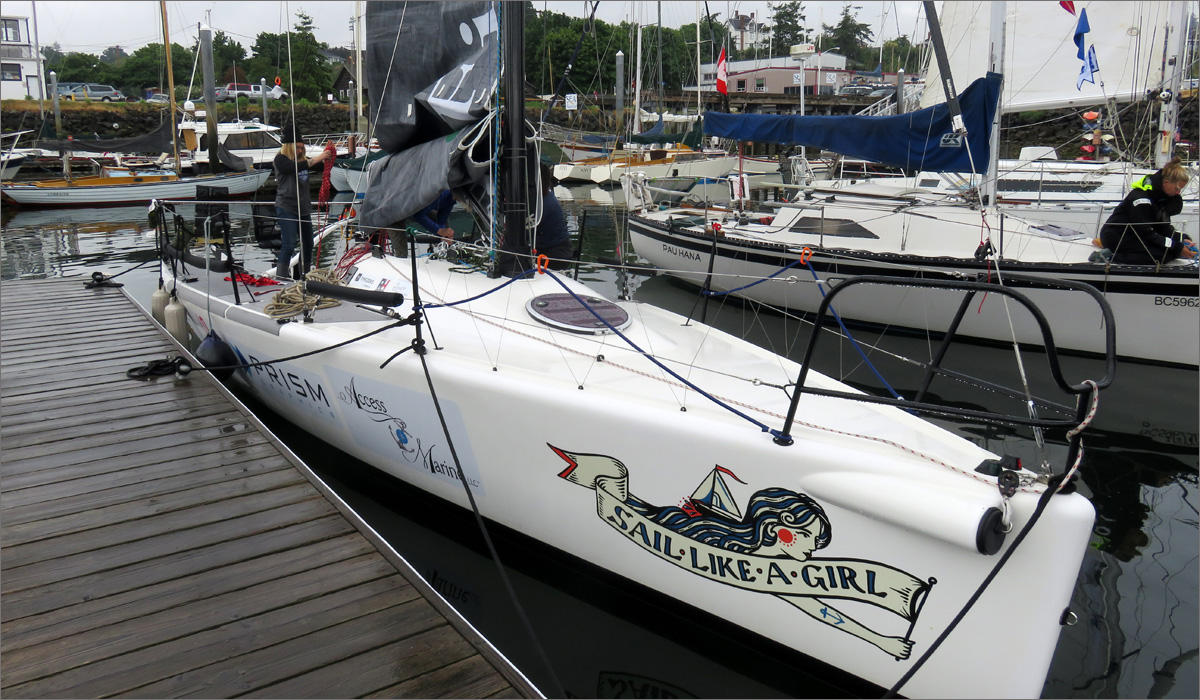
<point x="158" y="541"/>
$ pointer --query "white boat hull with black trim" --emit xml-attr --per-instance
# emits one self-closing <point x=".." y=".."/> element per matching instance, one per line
<point x="901" y="494"/>
<point x="1157" y="311"/>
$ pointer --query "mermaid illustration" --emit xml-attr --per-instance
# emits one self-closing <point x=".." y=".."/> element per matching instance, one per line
<point x="778" y="524"/>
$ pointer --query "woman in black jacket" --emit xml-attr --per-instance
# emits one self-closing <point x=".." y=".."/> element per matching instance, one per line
<point x="293" y="204"/>
<point x="1139" y="232"/>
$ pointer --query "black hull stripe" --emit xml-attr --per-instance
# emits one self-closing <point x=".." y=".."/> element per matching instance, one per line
<point x="1117" y="279"/>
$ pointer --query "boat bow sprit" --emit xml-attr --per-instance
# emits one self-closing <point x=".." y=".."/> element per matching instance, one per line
<point x="476" y="374"/>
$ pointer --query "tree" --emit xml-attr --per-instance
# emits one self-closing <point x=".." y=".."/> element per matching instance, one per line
<point x="851" y="37"/>
<point x="900" y="53"/>
<point x="147" y="68"/>
<point x="53" y="55"/>
<point x="789" y="24"/>
<point x="79" y="67"/>
<point x="310" y="74"/>
<point x="268" y="58"/>
<point x="114" y="56"/>
<point x="227" y="54"/>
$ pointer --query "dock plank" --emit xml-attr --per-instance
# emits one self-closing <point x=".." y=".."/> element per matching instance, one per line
<point x="158" y="541"/>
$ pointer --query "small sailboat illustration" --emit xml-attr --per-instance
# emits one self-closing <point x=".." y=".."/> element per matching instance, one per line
<point x="712" y="496"/>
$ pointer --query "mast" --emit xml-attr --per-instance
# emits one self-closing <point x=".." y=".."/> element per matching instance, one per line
<point x="637" y="82"/>
<point x="699" y="105"/>
<point x="358" y="82"/>
<point x="658" y="40"/>
<point x="37" y="50"/>
<point x="1168" y="117"/>
<point x="988" y="188"/>
<point x="513" y="155"/>
<point x="162" y="9"/>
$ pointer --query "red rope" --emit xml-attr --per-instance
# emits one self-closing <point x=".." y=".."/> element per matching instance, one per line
<point x="326" y="185"/>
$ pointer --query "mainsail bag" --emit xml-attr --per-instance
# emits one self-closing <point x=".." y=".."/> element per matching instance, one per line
<point x="431" y="76"/>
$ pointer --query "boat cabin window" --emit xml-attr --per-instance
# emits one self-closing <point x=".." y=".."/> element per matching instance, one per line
<point x="252" y="139"/>
<point x="1008" y="184"/>
<point x="845" y="228"/>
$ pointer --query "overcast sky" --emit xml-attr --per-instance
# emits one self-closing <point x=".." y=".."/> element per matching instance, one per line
<point x="91" y="27"/>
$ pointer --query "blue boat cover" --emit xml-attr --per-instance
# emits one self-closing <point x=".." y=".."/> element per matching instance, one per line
<point x="920" y="140"/>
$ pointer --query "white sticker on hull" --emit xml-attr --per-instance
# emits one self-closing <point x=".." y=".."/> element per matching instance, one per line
<point x="402" y="425"/>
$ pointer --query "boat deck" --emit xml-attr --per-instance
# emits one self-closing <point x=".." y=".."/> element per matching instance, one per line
<point x="158" y="541"/>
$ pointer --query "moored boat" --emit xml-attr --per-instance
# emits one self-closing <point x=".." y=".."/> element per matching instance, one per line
<point x="580" y="421"/>
<point x="117" y="185"/>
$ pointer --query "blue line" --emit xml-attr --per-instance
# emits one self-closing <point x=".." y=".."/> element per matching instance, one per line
<point x="523" y="275"/>
<point x="780" y="271"/>
<point x="761" y="426"/>
<point x="845" y="330"/>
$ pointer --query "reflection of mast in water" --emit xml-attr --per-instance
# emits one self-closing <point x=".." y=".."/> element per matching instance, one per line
<point x="1089" y="652"/>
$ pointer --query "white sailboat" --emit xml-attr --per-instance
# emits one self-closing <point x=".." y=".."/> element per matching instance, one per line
<point x="885" y="228"/>
<point x="127" y="184"/>
<point x="568" y="417"/>
<point x="1139" y="48"/>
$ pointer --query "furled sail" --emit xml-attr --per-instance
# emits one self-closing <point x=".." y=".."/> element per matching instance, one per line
<point x="431" y="74"/>
<point x="1041" y="66"/>
<point x="920" y="140"/>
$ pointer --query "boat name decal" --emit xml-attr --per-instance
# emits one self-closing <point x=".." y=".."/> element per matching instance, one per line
<point x="1177" y="301"/>
<point x="767" y="551"/>
<point x="288" y="380"/>
<point x="681" y="252"/>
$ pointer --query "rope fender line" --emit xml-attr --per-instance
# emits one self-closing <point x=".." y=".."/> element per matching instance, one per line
<point x="182" y="367"/>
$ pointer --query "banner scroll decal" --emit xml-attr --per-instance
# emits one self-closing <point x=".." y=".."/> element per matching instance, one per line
<point x="767" y="551"/>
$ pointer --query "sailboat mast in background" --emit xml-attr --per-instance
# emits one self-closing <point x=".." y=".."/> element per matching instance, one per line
<point x="162" y="9"/>
<point x="1168" y="118"/>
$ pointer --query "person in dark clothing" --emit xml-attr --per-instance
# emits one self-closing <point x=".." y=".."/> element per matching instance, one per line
<point x="435" y="218"/>
<point x="293" y="204"/>
<point x="1139" y="232"/>
<point x="552" y="238"/>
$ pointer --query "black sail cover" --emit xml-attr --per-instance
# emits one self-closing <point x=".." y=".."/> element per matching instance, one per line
<point x="431" y="76"/>
<point x="157" y="141"/>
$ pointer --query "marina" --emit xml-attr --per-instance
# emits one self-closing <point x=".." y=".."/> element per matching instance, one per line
<point x="1135" y="596"/>
<point x="159" y="542"/>
<point x="491" y="432"/>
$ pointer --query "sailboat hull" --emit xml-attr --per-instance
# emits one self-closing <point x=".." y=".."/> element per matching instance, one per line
<point x="1155" y="310"/>
<point x="133" y="192"/>
<point x="566" y="464"/>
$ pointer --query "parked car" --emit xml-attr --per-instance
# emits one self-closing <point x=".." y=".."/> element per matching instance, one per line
<point x="855" y="90"/>
<point x="65" y="89"/>
<point x="96" y="91"/>
<point x="882" y="92"/>
<point x="158" y="98"/>
<point x="232" y="91"/>
<point x="253" y="91"/>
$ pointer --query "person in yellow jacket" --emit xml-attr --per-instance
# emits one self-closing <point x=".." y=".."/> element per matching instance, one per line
<point x="1139" y="232"/>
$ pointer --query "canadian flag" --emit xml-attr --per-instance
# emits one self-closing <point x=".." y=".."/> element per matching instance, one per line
<point x="722" y="74"/>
